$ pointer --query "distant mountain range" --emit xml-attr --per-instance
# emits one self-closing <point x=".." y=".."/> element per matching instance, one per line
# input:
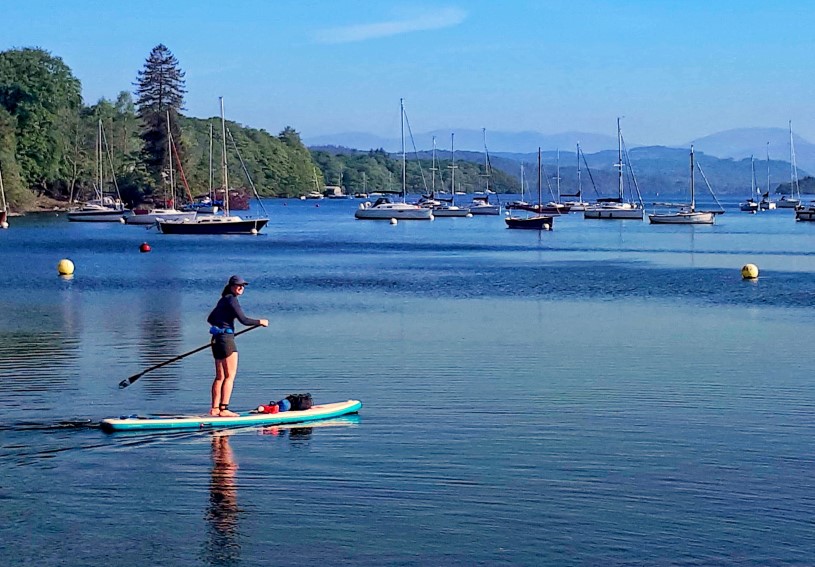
<point x="735" y="144"/>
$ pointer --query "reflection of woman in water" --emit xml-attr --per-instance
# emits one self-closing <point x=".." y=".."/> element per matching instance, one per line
<point x="223" y="502"/>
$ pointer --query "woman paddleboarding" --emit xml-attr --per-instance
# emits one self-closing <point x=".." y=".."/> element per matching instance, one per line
<point x="224" y="350"/>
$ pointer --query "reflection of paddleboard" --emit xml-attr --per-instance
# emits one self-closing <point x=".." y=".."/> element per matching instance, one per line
<point x="317" y="412"/>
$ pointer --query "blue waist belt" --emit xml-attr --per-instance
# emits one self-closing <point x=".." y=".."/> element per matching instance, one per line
<point x="219" y="331"/>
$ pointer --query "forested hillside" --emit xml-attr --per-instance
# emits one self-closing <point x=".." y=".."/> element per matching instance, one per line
<point x="48" y="141"/>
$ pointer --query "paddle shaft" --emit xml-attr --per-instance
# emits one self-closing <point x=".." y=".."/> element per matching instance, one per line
<point x="128" y="381"/>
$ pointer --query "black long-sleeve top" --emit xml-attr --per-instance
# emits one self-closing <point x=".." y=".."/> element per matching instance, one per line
<point x="226" y="311"/>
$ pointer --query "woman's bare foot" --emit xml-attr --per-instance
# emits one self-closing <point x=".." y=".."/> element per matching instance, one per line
<point x="214" y="412"/>
<point x="228" y="413"/>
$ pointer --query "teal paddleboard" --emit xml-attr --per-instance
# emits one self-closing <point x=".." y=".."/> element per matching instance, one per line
<point x="316" y="413"/>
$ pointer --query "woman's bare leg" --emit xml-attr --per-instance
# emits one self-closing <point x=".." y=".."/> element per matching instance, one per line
<point x="217" y="386"/>
<point x="230" y="370"/>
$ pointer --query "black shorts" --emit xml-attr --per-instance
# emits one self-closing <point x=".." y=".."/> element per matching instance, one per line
<point x="223" y="345"/>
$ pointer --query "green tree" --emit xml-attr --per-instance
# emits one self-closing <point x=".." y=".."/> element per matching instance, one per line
<point x="160" y="90"/>
<point x="17" y="194"/>
<point x="41" y="93"/>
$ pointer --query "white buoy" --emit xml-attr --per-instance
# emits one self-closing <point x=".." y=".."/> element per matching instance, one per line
<point x="122" y="220"/>
<point x="394" y="221"/>
<point x="254" y="231"/>
<point x="3" y="224"/>
<point x="432" y="217"/>
<point x="469" y="215"/>
<point x="546" y="226"/>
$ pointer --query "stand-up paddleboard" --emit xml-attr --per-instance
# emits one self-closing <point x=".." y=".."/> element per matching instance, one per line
<point x="317" y="412"/>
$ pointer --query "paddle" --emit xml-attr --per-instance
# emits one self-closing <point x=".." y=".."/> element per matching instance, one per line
<point x="128" y="381"/>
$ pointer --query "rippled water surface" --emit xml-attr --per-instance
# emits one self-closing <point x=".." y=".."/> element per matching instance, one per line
<point x="608" y="393"/>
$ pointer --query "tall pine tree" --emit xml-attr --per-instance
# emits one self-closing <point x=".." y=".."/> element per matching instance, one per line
<point x="159" y="90"/>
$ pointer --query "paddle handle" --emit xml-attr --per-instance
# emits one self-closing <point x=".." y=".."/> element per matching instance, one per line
<point x="128" y="381"/>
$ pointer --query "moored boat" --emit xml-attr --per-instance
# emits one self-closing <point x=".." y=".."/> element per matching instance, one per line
<point x="687" y="213"/>
<point x="217" y="223"/>
<point x="385" y="209"/>
<point x="617" y="207"/>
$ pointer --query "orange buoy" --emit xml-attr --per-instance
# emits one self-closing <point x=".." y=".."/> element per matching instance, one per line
<point x="144" y="247"/>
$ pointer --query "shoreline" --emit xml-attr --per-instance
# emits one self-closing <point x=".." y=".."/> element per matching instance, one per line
<point x="41" y="204"/>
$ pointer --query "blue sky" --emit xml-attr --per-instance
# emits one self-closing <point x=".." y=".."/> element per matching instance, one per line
<point x="676" y="70"/>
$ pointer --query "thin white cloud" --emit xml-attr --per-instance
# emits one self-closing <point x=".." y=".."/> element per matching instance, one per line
<point x="438" y="19"/>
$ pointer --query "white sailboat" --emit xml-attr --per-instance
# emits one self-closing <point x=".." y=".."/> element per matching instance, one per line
<point x="481" y="204"/>
<point x="617" y="207"/>
<point x="448" y="207"/>
<point x="150" y="216"/>
<point x="104" y="208"/>
<point x="792" y="200"/>
<point x="767" y="204"/>
<point x="687" y="214"/>
<point x="384" y="208"/>
<point x="750" y="205"/>
<point x="577" y="204"/>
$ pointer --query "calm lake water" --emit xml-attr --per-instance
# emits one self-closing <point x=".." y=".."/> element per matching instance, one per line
<point x="608" y="393"/>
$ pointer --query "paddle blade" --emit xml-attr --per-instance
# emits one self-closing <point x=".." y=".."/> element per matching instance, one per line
<point x="128" y="381"/>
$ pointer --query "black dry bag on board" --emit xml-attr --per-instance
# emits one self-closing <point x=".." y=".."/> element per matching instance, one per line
<point x="300" y="402"/>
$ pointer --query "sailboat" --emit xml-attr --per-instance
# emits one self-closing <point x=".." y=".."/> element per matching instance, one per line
<point x="751" y="205"/>
<point x="766" y="203"/>
<point x="532" y="222"/>
<point x="576" y="204"/>
<point x="802" y="212"/>
<point x="792" y="200"/>
<point x="446" y="207"/>
<point x="217" y="223"/>
<point x="3" y="204"/>
<point x="384" y="208"/>
<point x="481" y="204"/>
<point x="617" y="207"/>
<point x="104" y="208"/>
<point x="149" y="216"/>
<point x="687" y="214"/>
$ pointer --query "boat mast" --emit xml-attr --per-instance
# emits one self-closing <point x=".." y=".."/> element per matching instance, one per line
<point x="452" y="163"/>
<point x="540" y="196"/>
<point x="768" y="171"/>
<point x="558" y="175"/>
<point x="486" y="165"/>
<point x="171" y="203"/>
<point x="692" y="196"/>
<point x="223" y="159"/>
<point x="404" y="158"/>
<point x="579" y="185"/>
<point x="211" y="195"/>
<point x="99" y="193"/>
<point x="619" y="160"/>
<point x="794" y="191"/>
<point x="3" y="204"/>
<point x="753" y="182"/>
<point x="433" y="169"/>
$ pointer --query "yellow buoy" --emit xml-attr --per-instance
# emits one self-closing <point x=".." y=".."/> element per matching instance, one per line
<point x="65" y="267"/>
<point x="749" y="271"/>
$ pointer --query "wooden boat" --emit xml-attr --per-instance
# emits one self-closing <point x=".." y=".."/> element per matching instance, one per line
<point x="532" y="222"/>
